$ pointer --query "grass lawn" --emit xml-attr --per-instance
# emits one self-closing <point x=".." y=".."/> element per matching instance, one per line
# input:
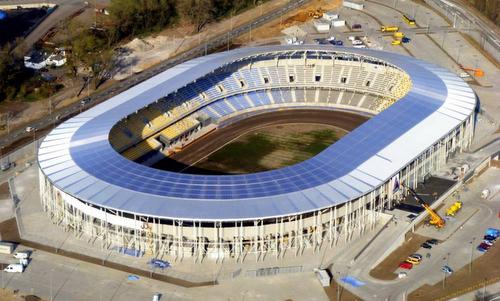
<point x="271" y="148"/>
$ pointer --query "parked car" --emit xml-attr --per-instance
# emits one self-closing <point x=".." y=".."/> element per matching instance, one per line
<point x="402" y="275"/>
<point x="490" y="238"/>
<point x="446" y="269"/>
<point x="485" y="246"/>
<point x="7" y="165"/>
<point x="416" y="256"/>
<point x="339" y="43"/>
<point x="405" y="40"/>
<point x="30" y="129"/>
<point x="22" y="255"/>
<point x="85" y="101"/>
<point x="406" y="265"/>
<point x="412" y="260"/>
<point x="425" y="245"/>
<point x="488" y="242"/>
<point x="432" y="241"/>
<point x="356" y="26"/>
<point x="14" y="268"/>
<point x="482" y="250"/>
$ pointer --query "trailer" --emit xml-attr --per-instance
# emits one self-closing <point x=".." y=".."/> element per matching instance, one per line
<point x="321" y="26"/>
<point x="353" y="4"/>
<point x="7" y="247"/>
<point x="323" y="277"/>
<point x="338" y="23"/>
<point x="330" y="16"/>
<point x="389" y="28"/>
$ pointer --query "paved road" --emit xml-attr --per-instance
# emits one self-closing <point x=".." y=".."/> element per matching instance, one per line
<point x="455" y="249"/>
<point x="98" y="97"/>
<point x="456" y="7"/>
<point x="65" y="9"/>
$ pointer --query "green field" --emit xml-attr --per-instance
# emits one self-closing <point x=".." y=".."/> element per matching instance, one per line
<point x="271" y="148"/>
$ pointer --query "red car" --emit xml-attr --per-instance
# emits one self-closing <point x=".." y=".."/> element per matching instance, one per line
<point x="406" y="265"/>
<point x="484" y="246"/>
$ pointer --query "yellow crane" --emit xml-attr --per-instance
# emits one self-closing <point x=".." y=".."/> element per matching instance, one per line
<point x="436" y="219"/>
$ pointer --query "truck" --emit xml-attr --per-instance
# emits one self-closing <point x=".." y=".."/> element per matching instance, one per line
<point x="7" y="247"/>
<point x="399" y="35"/>
<point x="14" y="268"/>
<point x="22" y="255"/>
<point x="338" y="23"/>
<point x="353" y="4"/>
<point x="321" y="26"/>
<point x="389" y="28"/>
<point x="323" y="277"/>
<point x="453" y="209"/>
<point x="396" y="42"/>
<point x="330" y="16"/>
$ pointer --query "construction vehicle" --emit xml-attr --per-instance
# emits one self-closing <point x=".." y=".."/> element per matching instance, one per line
<point x="477" y="71"/>
<point x="436" y="220"/>
<point x="316" y="14"/>
<point x="409" y="20"/>
<point x="389" y="28"/>
<point x="399" y="35"/>
<point x="453" y="209"/>
<point x="396" y="42"/>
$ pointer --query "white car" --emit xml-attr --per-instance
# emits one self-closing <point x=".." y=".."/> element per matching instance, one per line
<point x="22" y="255"/>
<point x="14" y="268"/>
<point x="30" y="129"/>
<point x="488" y="242"/>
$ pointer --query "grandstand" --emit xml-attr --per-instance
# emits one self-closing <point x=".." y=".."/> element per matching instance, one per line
<point x="262" y="82"/>
<point x="89" y="182"/>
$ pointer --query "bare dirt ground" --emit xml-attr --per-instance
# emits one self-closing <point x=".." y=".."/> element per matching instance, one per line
<point x="4" y="190"/>
<point x="149" y="51"/>
<point x="295" y="17"/>
<point x="8" y="295"/>
<point x="385" y="270"/>
<point x="485" y="270"/>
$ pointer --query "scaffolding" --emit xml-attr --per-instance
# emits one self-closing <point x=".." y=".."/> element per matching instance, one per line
<point x="240" y="240"/>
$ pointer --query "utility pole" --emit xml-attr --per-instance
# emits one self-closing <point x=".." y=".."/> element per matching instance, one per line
<point x="250" y="39"/>
<point x="471" y="250"/>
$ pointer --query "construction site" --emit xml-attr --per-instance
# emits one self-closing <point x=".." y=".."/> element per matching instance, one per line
<point x="428" y="232"/>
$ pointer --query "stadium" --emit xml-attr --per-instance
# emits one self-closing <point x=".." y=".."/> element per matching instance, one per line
<point x="95" y="169"/>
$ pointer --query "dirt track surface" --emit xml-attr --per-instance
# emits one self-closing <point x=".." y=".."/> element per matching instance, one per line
<point x="218" y="138"/>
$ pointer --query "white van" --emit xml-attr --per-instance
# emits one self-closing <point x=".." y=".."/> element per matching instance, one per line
<point x="22" y="255"/>
<point x="14" y="268"/>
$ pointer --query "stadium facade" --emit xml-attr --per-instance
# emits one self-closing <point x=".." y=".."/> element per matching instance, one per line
<point x="94" y="177"/>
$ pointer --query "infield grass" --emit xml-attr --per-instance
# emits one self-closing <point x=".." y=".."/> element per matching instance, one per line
<point x="271" y="147"/>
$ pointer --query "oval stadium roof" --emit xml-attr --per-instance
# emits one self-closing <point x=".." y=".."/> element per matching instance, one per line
<point x="78" y="158"/>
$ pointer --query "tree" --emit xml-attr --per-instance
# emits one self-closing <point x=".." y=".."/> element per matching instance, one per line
<point x="132" y="17"/>
<point x="199" y="12"/>
<point x="11" y="73"/>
